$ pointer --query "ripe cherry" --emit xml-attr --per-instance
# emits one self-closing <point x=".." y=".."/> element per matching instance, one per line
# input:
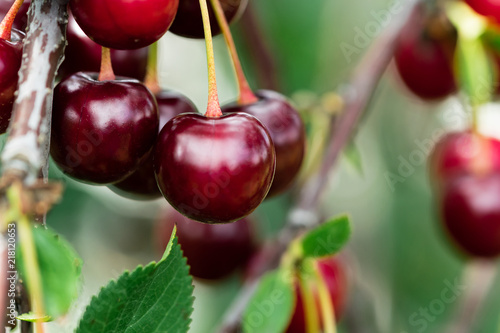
<point x="102" y="130"/>
<point x="287" y="132"/>
<point x="212" y="251"/>
<point x="488" y="8"/>
<point x="471" y="213"/>
<point x="188" y="21"/>
<point x="84" y="55"/>
<point x="142" y="183"/>
<point x="214" y="169"/>
<point x="21" y="17"/>
<point x="335" y="278"/>
<point x="124" y="24"/>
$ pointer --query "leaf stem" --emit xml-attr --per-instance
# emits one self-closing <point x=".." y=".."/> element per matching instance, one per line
<point x="326" y="305"/>
<point x="246" y="94"/>
<point x="106" y="73"/>
<point x="213" y="107"/>
<point x="6" y="25"/>
<point x="151" y="81"/>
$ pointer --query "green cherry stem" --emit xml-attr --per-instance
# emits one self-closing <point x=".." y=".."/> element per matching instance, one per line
<point x="106" y="73"/>
<point x="213" y="107"/>
<point x="246" y="94"/>
<point x="151" y="81"/>
<point x="310" y="309"/>
<point x="6" y="25"/>
<point x="326" y="305"/>
<point x="475" y="119"/>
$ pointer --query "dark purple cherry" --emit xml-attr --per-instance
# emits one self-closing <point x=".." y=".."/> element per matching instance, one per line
<point x="124" y="24"/>
<point x="21" y="17"/>
<point x="102" y="130"/>
<point x="142" y="183"/>
<point x="10" y="63"/>
<point x="83" y="55"/>
<point x="214" y="170"/>
<point x="471" y="213"/>
<point x="287" y="131"/>
<point x="188" y="22"/>
<point x="212" y="251"/>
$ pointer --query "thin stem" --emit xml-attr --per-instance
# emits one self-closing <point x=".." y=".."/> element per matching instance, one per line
<point x="213" y="107"/>
<point x="6" y="25"/>
<point x="326" y="305"/>
<point x="475" y="119"/>
<point x="151" y="80"/>
<point x="309" y="305"/>
<point x="246" y="94"/>
<point x="106" y="73"/>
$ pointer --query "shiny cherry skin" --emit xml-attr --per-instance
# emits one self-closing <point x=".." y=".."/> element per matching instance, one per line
<point x="460" y="153"/>
<point x="212" y="251"/>
<point x="22" y="15"/>
<point x="102" y="130"/>
<point x="214" y="170"/>
<point x="141" y="185"/>
<point x="488" y="8"/>
<point x="287" y="131"/>
<point x="188" y="21"/>
<point x="84" y="55"/>
<point x="335" y="277"/>
<point x="471" y="214"/>
<point x="124" y="24"/>
<point x="10" y="62"/>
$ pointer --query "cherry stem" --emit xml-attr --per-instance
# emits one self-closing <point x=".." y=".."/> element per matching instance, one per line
<point x="6" y="25"/>
<point x="106" y="73"/>
<point x="325" y="302"/>
<point x="151" y="81"/>
<point x="246" y="94"/>
<point x="213" y="107"/>
<point x="475" y="119"/>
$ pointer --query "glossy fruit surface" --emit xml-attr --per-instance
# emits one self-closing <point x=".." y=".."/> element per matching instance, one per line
<point x="21" y="17"/>
<point x="212" y="251"/>
<point x="488" y="8"/>
<point x="214" y="170"/>
<point x="10" y="63"/>
<point x="188" y="22"/>
<point x="124" y="24"/>
<point x="142" y="183"/>
<point x="102" y="130"/>
<point x="335" y="277"/>
<point x="84" y="55"/>
<point x="471" y="214"/>
<point x="287" y="132"/>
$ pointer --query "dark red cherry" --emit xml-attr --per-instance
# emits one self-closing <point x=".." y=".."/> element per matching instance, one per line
<point x="334" y="275"/>
<point x="83" y="55"/>
<point x="212" y="251"/>
<point x="287" y="131"/>
<point x="471" y="213"/>
<point x="102" y="130"/>
<point x="488" y="8"/>
<point x="124" y="24"/>
<point x="188" y="21"/>
<point x="425" y="63"/>
<point x="21" y="17"/>
<point x="141" y="185"/>
<point x="214" y="170"/>
<point x="10" y="63"/>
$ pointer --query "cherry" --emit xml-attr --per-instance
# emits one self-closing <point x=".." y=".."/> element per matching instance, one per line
<point x="212" y="251"/>
<point x="188" y="21"/>
<point x="287" y="132"/>
<point x="21" y="18"/>
<point x="142" y="183"/>
<point x="84" y="55"/>
<point x="102" y="130"/>
<point x="334" y="276"/>
<point x="488" y="8"/>
<point x="471" y="213"/>
<point x="424" y="62"/>
<point x="214" y="169"/>
<point x="124" y="24"/>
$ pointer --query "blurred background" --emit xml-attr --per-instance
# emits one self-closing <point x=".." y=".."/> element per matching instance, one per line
<point x="399" y="259"/>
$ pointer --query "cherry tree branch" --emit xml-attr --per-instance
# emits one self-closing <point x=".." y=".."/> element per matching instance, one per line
<point x="357" y="95"/>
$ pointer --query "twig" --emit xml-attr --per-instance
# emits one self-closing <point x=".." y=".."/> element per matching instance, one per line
<point x="357" y="95"/>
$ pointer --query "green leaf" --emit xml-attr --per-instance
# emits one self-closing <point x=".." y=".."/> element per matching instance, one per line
<point x="156" y="298"/>
<point x="60" y="269"/>
<point x="327" y="239"/>
<point x="31" y="317"/>
<point x="271" y="307"/>
<point x="353" y="156"/>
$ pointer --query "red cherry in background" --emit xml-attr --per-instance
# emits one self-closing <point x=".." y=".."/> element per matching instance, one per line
<point x="214" y="170"/>
<point x="212" y="251"/>
<point x="102" y="130"/>
<point x="188" y="21"/>
<point x="142" y="183"/>
<point x="21" y="17"/>
<point x="84" y="55"/>
<point x="488" y="8"/>
<point x="124" y="24"/>
<point x="287" y="132"/>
